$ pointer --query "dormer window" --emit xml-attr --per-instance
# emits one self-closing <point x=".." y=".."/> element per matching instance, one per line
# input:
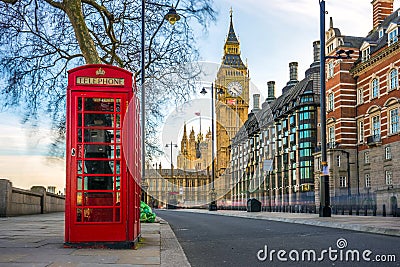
<point x="393" y="33"/>
<point x="380" y="33"/>
<point x="365" y="54"/>
<point x="393" y="37"/>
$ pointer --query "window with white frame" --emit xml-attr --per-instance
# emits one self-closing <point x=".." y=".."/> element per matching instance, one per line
<point x="374" y="88"/>
<point x="388" y="177"/>
<point x="365" y="54"/>
<point x="393" y="37"/>
<point x="376" y="126"/>
<point x="330" y="48"/>
<point x="388" y="153"/>
<point x="330" y="69"/>
<point x="366" y="157"/>
<point x="331" y="135"/>
<point x="380" y="33"/>
<point x="361" y="132"/>
<point x="331" y="101"/>
<point x="319" y="163"/>
<point x="393" y="79"/>
<point x="367" y="180"/>
<point x="343" y="181"/>
<point x="338" y="160"/>
<point x="394" y="121"/>
<point x="360" y="96"/>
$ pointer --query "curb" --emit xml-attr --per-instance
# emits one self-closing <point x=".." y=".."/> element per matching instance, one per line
<point x="172" y="253"/>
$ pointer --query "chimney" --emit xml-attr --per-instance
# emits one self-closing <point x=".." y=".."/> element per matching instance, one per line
<point x="256" y="102"/>
<point x="381" y="10"/>
<point x="271" y="91"/>
<point x="293" y="71"/>
<point x="293" y="76"/>
<point x="317" y="51"/>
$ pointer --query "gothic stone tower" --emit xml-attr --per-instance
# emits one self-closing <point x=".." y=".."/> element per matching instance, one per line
<point x="232" y="95"/>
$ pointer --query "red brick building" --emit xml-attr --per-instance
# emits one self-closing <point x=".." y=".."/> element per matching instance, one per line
<point x="363" y="101"/>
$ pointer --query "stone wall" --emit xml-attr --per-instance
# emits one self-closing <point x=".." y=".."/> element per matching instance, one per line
<point x="388" y="196"/>
<point x="16" y="201"/>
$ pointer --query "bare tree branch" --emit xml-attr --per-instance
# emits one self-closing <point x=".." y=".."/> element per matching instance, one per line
<point x="41" y="39"/>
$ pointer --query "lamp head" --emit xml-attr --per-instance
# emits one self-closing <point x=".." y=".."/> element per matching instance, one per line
<point x="172" y="16"/>
<point x="203" y="91"/>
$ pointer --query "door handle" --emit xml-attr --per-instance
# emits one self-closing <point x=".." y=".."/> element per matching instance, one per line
<point x="73" y="152"/>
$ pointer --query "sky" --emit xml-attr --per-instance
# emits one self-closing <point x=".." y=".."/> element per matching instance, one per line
<point x="272" y="33"/>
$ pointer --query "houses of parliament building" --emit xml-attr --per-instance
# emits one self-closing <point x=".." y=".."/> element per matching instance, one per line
<point x="189" y="183"/>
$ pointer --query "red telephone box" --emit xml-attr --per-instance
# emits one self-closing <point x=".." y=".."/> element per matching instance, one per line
<point x="102" y="193"/>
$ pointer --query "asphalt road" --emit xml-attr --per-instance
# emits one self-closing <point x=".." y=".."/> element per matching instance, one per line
<point x="212" y="240"/>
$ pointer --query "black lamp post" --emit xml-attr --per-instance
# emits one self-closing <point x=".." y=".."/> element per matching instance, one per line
<point x="172" y="17"/>
<point x="325" y="206"/>
<point x="172" y="166"/>
<point x="213" y="204"/>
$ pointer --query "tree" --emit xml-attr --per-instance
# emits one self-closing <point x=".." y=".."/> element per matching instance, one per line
<point x="41" y="39"/>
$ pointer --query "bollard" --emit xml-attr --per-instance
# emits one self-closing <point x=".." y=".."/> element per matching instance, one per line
<point x="351" y="210"/>
<point x="374" y="211"/>
<point x="384" y="210"/>
<point x="342" y="210"/>
<point x="357" y="210"/>
<point x="366" y="211"/>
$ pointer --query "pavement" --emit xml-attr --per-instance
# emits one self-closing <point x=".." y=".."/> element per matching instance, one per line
<point x="37" y="240"/>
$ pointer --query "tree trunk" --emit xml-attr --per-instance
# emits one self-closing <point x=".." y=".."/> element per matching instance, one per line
<point x="73" y="8"/>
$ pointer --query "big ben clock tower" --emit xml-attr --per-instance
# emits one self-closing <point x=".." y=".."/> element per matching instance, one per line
<point x="232" y="87"/>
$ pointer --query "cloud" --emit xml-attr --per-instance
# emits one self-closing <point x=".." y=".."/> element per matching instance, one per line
<point x="26" y="171"/>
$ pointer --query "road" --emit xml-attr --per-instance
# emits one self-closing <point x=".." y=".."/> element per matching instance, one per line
<point x="212" y="240"/>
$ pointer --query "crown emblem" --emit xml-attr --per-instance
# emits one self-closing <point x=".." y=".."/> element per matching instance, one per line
<point x="100" y="71"/>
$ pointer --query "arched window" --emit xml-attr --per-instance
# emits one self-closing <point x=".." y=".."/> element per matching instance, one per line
<point x="375" y="88"/>
<point x="393" y="79"/>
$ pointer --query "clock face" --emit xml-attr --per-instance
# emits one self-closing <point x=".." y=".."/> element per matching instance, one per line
<point x="235" y="89"/>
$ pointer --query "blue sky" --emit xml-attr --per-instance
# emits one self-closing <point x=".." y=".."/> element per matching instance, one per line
<point x="272" y="34"/>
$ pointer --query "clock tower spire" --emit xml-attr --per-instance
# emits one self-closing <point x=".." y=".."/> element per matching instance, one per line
<point x="231" y="108"/>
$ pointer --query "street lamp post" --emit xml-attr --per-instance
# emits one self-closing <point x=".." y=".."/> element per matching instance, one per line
<point x="325" y="209"/>
<point x="172" y="165"/>
<point x="213" y="204"/>
<point x="172" y="17"/>
<point x="325" y="206"/>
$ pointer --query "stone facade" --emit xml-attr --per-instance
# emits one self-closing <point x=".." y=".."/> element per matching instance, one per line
<point x="177" y="187"/>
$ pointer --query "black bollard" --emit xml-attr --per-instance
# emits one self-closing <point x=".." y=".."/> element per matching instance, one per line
<point x="384" y="210"/>
<point x="366" y="211"/>
<point x="351" y="210"/>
